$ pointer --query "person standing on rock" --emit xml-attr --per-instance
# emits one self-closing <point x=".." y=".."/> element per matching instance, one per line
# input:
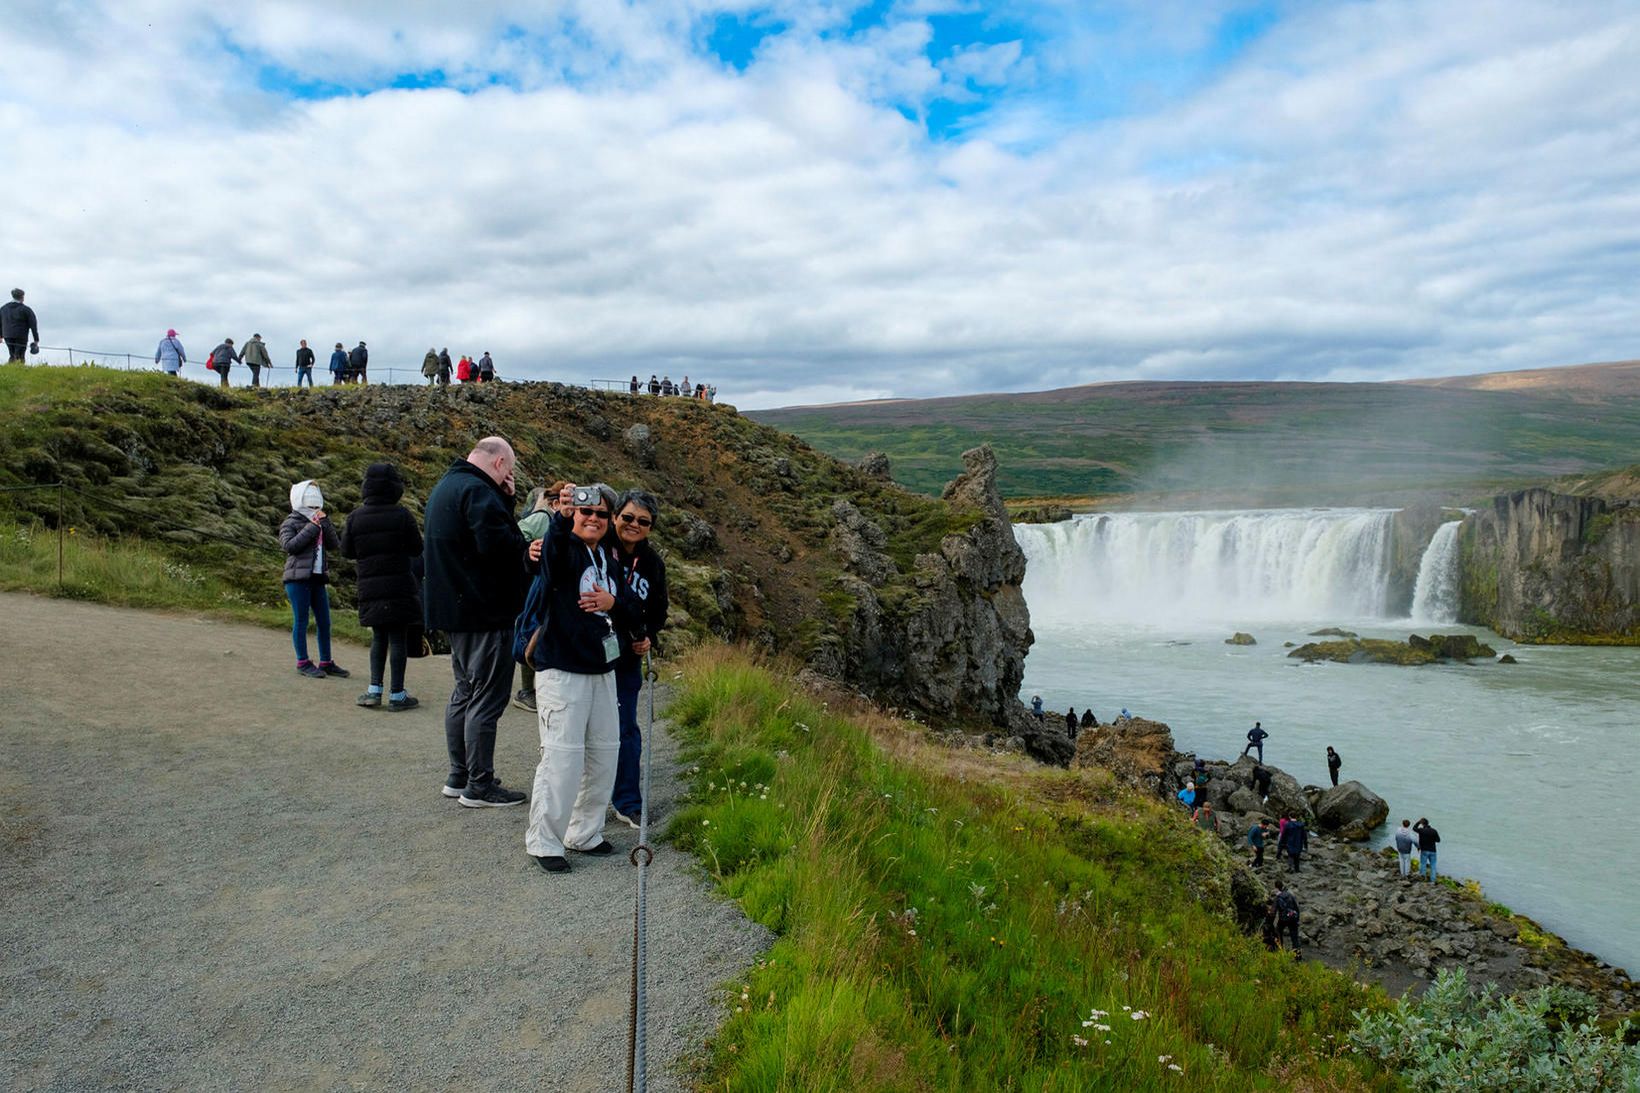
<point x="382" y="537"/>
<point x="1333" y="763"/>
<point x="1071" y="724"/>
<point x="222" y="359"/>
<point x="308" y="539"/>
<point x="304" y="364"/>
<point x="256" y="358"/>
<point x="1261" y="780"/>
<point x="1405" y="843"/>
<point x="1287" y="912"/>
<point x="1036" y="707"/>
<point x="1255" y="740"/>
<point x="1295" y="839"/>
<point x="1256" y="838"/>
<point x="1088" y="720"/>
<point x="17" y="322"/>
<point x="478" y="566"/>
<point x="170" y="355"/>
<point x="643" y="572"/>
<point x="1428" y="838"/>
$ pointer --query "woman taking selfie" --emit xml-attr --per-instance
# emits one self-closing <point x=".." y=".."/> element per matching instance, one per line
<point x="644" y="575"/>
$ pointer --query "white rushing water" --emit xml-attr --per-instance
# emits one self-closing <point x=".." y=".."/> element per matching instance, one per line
<point x="1435" y="596"/>
<point x="1519" y="766"/>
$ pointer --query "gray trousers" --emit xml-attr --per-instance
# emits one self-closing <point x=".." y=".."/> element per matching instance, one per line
<point x="482" y="663"/>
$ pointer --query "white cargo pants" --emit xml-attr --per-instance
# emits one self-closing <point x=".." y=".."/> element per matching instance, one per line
<point x="580" y="740"/>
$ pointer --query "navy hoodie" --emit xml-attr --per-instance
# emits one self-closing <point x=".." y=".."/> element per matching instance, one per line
<point x="573" y="640"/>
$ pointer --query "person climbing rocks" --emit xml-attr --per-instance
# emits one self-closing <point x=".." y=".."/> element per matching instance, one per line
<point x="1255" y="740"/>
<point x="1205" y="819"/>
<point x="1036" y="707"/>
<point x="1187" y="797"/>
<point x="1405" y="843"/>
<point x="1333" y="763"/>
<point x="1428" y="837"/>
<point x="1256" y="837"/>
<point x="1261" y="780"/>
<point x="1272" y="928"/>
<point x="1071" y="723"/>
<point x="1088" y="720"/>
<point x="1287" y="911"/>
<point x="1295" y="839"/>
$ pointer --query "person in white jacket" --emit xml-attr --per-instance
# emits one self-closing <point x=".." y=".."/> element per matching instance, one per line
<point x="170" y="355"/>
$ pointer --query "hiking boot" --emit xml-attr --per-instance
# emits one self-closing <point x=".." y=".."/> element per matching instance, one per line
<point x="370" y="700"/>
<point x="451" y="790"/>
<point x="494" y="796"/>
<point x="603" y="848"/>
<point x="525" y="700"/>
<point x="408" y="702"/>
<point x="331" y="668"/>
<point x="553" y="863"/>
<point x="625" y="819"/>
<point x="310" y="669"/>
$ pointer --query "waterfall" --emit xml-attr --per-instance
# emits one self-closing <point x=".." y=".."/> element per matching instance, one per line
<point x="1435" y="596"/>
<point x="1218" y="567"/>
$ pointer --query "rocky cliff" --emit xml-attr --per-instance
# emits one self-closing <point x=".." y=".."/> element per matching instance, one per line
<point x="1553" y="567"/>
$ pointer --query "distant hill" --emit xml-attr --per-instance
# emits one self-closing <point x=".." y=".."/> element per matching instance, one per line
<point x="1254" y="443"/>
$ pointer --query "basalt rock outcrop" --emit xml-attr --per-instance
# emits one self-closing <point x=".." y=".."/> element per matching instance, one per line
<point x="1542" y="566"/>
<point x="1350" y="810"/>
<point x="1415" y="650"/>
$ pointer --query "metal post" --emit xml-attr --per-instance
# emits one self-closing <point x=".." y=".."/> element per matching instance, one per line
<point x="71" y="358"/>
<point x="59" y="535"/>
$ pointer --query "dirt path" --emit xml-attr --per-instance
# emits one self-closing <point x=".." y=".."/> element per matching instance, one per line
<point x="215" y="874"/>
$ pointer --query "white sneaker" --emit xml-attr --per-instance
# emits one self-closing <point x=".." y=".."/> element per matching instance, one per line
<point x="624" y="818"/>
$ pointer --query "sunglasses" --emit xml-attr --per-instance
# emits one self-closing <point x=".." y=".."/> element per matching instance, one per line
<point x="590" y="514"/>
<point x="641" y="521"/>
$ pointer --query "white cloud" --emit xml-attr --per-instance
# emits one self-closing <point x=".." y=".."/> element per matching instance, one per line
<point x="1371" y="190"/>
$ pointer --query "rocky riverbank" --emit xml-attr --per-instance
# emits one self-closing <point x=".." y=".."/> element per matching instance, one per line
<point x="1359" y="914"/>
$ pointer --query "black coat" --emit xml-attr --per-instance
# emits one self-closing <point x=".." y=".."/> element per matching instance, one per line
<point x="644" y="575"/>
<point x="573" y="638"/>
<point x="478" y="565"/>
<point x="358" y="358"/>
<point x="17" y="321"/>
<point x="381" y="535"/>
<point x="304" y="357"/>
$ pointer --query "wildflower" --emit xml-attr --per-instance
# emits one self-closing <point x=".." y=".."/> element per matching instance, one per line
<point x="1078" y="1041"/>
<point x="706" y="823"/>
<point x="1176" y="1068"/>
<point x="1163" y="1058"/>
<point x="1126" y="1008"/>
<point x="1138" y="1015"/>
<point x="1103" y="1028"/>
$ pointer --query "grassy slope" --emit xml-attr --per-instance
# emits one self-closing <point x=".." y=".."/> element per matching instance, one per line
<point x="1275" y="442"/>
<point x="948" y="920"/>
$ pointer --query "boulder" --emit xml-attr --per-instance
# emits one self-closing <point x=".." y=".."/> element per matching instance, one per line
<point x="1135" y="747"/>
<point x="1333" y="632"/>
<point x="860" y="543"/>
<point x="1286" y="795"/>
<point x="1240" y="638"/>
<point x="1245" y="800"/>
<point x="1452" y="646"/>
<point x="876" y="465"/>
<point x="639" y="443"/>
<point x="1507" y="659"/>
<point x="693" y="535"/>
<point x="1350" y="810"/>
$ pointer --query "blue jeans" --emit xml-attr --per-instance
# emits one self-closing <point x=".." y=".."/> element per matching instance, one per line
<point x="628" y="795"/>
<point x="1426" y="862"/>
<point x="305" y="596"/>
<point x="304" y="374"/>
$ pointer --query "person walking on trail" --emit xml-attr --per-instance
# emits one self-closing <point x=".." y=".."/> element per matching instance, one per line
<point x="304" y="364"/>
<point x="1334" y="761"/>
<point x="1428" y="839"/>
<point x="1071" y="724"/>
<point x="1036" y="707"/>
<point x="256" y="358"/>
<point x="589" y="606"/>
<point x="170" y="355"/>
<point x="542" y="503"/>
<point x="1257" y="836"/>
<point x="1255" y="740"/>
<point x="358" y="364"/>
<point x="381" y="536"/>
<point x="644" y="575"/>
<point x="477" y="566"/>
<point x="486" y="368"/>
<point x="1287" y="914"/>
<point x="430" y="366"/>
<point x="1406" y="841"/>
<point x="223" y="358"/>
<point x="309" y="540"/>
<point x="17" y="324"/>
<point x="1295" y="839"/>
<point x="444" y="367"/>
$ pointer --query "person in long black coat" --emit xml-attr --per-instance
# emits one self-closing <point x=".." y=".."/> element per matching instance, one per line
<point x="382" y="537"/>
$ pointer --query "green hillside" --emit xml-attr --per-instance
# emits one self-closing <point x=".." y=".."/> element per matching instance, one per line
<point x="1247" y="442"/>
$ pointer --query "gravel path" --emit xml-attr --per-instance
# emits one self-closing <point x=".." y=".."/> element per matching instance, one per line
<point x="215" y="874"/>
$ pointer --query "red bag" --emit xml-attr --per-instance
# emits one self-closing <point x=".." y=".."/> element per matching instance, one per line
<point x="210" y="364"/>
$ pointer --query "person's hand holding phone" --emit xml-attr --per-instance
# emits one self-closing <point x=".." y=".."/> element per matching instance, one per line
<point x="318" y="515"/>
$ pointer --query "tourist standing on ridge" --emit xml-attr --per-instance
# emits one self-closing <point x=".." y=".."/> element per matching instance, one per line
<point x="644" y="575"/>
<point x="542" y="502"/>
<point x="338" y="366"/>
<point x="1405" y="843"/>
<point x="1255" y="739"/>
<point x="358" y="364"/>
<point x="429" y="366"/>
<point x="486" y="368"/>
<point x="634" y="387"/>
<point x="1334" y="761"/>
<point x="256" y="358"/>
<point x="308" y="539"/>
<point x="588" y="607"/>
<point x="654" y="384"/>
<point x="477" y="570"/>
<point x="1287" y="912"/>
<point x="1071" y="722"/>
<point x="684" y="388"/>
<point x="222" y="358"/>
<point x="382" y="537"/>
<point x="17" y="322"/>
<point x="304" y="364"/>
<point x="170" y="355"/>
<point x="444" y="367"/>
<point x="1295" y="839"/>
<point x="1428" y="838"/>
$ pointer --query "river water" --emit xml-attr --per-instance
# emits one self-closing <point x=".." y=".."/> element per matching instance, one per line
<point x="1524" y="769"/>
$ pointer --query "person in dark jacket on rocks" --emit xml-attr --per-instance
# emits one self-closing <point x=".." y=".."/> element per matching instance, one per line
<point x="635" y="387"/>
<point x="1428" y="839"/>
<point x="486" y="368"/>
<point x="478" y="567"/>
<point x="338" y="366"/>
<point x="589" y="606"/>
<point x="1255" y="739"/>
<point x="1295" y="839"/>
<point x="654" y="384"/>
<point x="255" y="356"/>
<point x="222" y="359"/>
<point x="17" y="323"/>
<point x="644" y="574"/>
<point x="304" y="364"/>
<point x="1088" y="720"/>
<point x="1287" y="914"/>
<point x="358" y="364"/>
<point x="1261" y="780"/>
<point x="382" y="537"/>
<point x="444" y="367"/>
<point x="1334" y="761"/>
<point x="309" y="539"/>
<point x="1071" y="724"/>
<point x="1257" y="836"/>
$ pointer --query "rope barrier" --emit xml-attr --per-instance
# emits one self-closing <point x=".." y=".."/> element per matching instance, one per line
<point x="641" y="856"/>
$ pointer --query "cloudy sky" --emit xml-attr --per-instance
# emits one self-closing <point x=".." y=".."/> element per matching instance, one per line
<point x="830" y="200"/>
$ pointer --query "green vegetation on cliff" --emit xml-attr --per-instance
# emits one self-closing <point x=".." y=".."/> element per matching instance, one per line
<point x="956" y="920"/>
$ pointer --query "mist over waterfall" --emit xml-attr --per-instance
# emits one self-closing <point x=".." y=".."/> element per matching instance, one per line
<point x="1435" y="596"/>
<point x="1229" y="567"/>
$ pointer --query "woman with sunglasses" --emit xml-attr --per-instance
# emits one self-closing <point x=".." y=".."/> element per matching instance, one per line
<point x="574" y="659"/>
<point x="644" y="575"/>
